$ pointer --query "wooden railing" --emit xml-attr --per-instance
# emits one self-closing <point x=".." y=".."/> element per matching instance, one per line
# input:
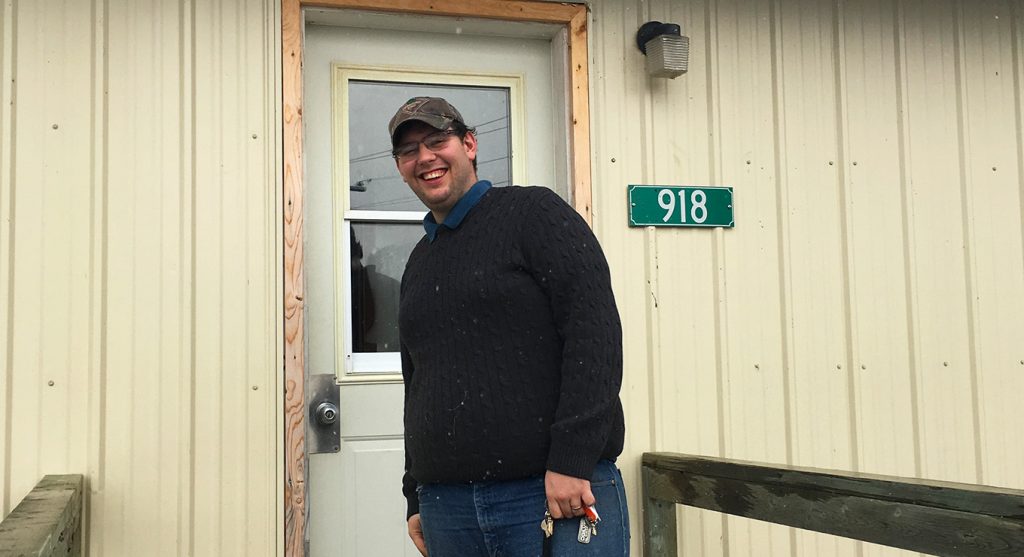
<point x="48" y="521"/>
<point x="939" y="518"/>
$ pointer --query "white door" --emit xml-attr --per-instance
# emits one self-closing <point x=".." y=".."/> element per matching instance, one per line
<point x="361" y="222"/>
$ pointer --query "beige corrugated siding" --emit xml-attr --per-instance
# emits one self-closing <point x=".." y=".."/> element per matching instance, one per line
<point x="867" y="312"/>
<point x="141" y="268"/>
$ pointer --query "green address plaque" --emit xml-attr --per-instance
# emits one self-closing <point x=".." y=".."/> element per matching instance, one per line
<point x="694" y="206"/>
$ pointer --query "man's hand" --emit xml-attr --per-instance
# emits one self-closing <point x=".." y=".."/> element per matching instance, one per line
<point x="566" y="495"/>
<point x="416" y="533"/>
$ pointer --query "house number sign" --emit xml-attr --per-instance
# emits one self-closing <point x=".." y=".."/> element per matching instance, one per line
<point x="690" y="206"/>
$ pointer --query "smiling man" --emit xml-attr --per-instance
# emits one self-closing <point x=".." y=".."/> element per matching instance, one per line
<point x="512" y="360"/>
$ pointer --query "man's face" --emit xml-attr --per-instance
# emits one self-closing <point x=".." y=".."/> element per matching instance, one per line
<point x="438" y="177"/>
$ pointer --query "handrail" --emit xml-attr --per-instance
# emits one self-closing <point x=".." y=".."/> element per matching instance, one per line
<point x="48" y="521"/>
<point x="935" y="517"/>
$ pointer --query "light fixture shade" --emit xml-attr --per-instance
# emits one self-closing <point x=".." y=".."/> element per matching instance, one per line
<point x="667" y="56"/>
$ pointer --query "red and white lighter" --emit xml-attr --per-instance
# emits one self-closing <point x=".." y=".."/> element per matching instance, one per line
<point x="590" y="511"/>
<point x="588" y="524"/>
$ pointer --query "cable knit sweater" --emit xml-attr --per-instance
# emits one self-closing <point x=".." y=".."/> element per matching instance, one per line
<point x="511" y="346"/>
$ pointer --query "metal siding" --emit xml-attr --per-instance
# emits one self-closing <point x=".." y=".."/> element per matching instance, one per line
<point x="148" y="325"/>
<point x="47" y="256"/>
<point x="880" y="340"/>
<point x="814" y="237"/>
<point x="864" y="313"/>
<point x="689" y="272"/>
<point x="141" y="268"/>
<point x="993" y="206"/>
<point x="880" y="337"/>
<point x="237" y="270"/>
<point x="815" y="248"/>
<point x="1004" y="465"/>
<point x="746" y="89"/>
<point x="617" y="83"/>
<point x="6" y="246"/>
<point x="937" y="235"/>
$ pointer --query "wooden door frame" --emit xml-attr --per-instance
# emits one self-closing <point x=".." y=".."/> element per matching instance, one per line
<point x="572" y="16"/>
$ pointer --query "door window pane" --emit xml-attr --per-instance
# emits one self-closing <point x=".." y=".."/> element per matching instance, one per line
<point x="374" y="182"/>
<point x="379" y="252"/>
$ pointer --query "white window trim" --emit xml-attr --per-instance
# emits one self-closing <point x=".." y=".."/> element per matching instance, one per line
<point x="360" y="367"/>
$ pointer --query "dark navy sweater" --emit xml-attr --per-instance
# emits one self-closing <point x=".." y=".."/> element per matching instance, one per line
<point x="511" y="346"/>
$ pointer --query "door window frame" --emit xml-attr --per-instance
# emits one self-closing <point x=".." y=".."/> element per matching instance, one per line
<point x="574" y="18"/>
<point x="350" y="366"/>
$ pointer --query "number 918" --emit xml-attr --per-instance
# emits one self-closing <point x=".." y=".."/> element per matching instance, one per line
<point x="698" y="210"/>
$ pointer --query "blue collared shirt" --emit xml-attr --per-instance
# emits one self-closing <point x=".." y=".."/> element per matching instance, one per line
<point x="458" y="212"/>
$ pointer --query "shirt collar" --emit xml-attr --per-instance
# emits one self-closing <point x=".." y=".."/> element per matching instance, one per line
<point x="458" y="212"/>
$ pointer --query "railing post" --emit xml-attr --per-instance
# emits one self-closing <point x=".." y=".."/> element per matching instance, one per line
<point x="48" y="521"/>
<point x="659" y="520"/>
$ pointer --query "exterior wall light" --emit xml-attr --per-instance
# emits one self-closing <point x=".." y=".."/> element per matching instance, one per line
<point x="667" y="50"/>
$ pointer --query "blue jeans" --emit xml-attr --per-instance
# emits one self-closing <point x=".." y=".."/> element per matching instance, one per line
<point x="502" y="519"/>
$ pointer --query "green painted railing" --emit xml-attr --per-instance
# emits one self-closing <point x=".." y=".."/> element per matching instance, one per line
<point x="48" y="521"/>
<point x="938" y="518"/>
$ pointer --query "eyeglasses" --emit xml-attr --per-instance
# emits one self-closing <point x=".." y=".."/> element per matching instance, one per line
<point x="435" y="142"/>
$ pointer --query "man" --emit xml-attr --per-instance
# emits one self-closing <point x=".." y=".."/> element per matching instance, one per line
<point x="512" y="359"/>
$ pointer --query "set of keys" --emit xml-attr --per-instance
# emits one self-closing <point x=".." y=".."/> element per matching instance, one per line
<point x="588" y="524"/>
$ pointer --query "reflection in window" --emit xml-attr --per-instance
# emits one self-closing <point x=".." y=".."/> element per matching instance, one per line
<point x="379" y="253"/>
<point x="383" y="217"/>
<point x="374" y="182"/>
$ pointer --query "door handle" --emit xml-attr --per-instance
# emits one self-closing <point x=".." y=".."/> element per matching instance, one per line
<point x="326" y="413"/>
<point x="324" y="429"/>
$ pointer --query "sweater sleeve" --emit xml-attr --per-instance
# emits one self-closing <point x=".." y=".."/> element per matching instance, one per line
<point x="409" y="484"/>
<point x="564" y="257"/>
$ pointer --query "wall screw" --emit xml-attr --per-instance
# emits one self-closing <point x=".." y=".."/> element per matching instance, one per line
<point x="255" y="388"/>
<point x="254" y="136"/>
<point x="55" y="126"/>
<point x="50" y="382"/>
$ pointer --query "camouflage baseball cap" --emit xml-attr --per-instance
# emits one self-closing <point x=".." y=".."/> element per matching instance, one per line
<point x="433" y="111"/>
